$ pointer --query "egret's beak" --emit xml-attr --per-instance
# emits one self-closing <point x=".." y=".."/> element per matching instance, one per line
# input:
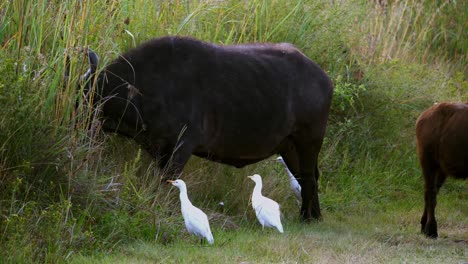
<point x="170" y="181"/>
<point x="249" y="177"/>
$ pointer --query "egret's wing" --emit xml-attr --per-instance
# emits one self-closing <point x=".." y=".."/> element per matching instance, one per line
<point x="268" y="210"/>
<point x="197" y="223"/>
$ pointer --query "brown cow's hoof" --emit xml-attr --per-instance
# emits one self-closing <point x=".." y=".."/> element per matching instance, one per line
<point x="431" y="235"/>
<point x="431" y="231"/>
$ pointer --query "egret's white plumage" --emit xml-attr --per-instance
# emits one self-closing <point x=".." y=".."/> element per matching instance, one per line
<point x="195" y="219"/>
<point x="266" y="210"/>
<point x="295" y="186"/>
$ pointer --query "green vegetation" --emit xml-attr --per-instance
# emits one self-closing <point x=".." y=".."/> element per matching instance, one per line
<point x="72" y="194"/>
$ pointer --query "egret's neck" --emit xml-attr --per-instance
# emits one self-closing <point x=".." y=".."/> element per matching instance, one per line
<point x="284" y="163"/>
<point x="291" y="176"/>
<point x="257" y="189"/>
<point x="184" y="200"/>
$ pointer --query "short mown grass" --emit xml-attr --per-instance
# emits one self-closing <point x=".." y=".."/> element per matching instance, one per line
<point x="73" y="194"/>
<point x="354" y="237"/>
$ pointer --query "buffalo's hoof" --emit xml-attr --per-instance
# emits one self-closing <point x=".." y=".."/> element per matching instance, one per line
<point x="307" y="218"/>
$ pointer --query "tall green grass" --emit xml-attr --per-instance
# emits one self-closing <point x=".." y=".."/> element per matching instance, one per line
<point x="415" y="31"/>
<point x="67" y="190"/>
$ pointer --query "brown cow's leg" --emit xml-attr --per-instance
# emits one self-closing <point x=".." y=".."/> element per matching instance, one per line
<point x="430" y="172"/>
<point x="429" y="228"/>
<point x="308" y="155"/>
<point x="427" y="185"/>
<point x="431" y="194"/>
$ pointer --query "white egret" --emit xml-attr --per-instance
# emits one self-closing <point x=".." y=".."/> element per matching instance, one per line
<point x="195" y="219"/>
<point x="266" y="210"/>
<point x="295" y="186"/>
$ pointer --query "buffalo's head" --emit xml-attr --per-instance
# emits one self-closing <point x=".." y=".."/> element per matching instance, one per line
<point x="117" y="99"/>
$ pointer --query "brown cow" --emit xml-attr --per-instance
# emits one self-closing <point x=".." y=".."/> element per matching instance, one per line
<point x="442" y="140"/>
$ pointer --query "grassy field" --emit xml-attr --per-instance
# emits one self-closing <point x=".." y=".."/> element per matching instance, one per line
<point x="367" y="238"/>
<point x="69" y="194"/>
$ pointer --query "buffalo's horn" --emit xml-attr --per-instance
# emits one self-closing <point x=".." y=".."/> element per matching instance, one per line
<point x="93" y="63"/>
<point x="67" y="69"/>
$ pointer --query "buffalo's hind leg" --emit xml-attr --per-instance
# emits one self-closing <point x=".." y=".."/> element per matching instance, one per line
<point x="292" y="161"/>
<point x="307" y="151"/>
<point x="289" y="154"/>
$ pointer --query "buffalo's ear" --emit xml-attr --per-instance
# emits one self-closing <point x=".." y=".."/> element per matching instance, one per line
<point x="93" y="63"/>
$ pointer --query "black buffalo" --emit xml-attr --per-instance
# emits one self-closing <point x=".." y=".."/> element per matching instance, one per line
<point x="236" y="105"/>
<point x="442" y="139"/>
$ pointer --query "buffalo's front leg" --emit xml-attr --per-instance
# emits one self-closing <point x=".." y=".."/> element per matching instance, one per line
<point x="172" y="157"/>
<point x="179" y="157"/>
